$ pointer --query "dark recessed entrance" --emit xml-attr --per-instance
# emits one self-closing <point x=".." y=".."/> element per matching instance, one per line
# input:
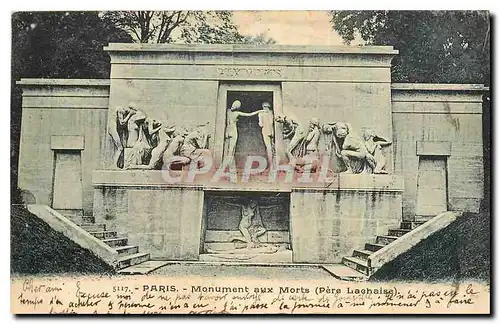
<point x="266" y="217"/>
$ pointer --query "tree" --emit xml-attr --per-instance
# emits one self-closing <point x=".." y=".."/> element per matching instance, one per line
<point x="56" y="45"/>
<point x="434" y="46"/>
<point x="209" y="27"/>
<point x="260" y="39"/>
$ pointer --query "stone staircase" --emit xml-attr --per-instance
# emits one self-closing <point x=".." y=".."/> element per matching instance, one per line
<point x="129" y="255"/>
<point x="356" y="267"/>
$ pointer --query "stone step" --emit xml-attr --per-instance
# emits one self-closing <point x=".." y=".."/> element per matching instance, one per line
<point x="81" y="219"/>
<point x="411" y="225"/>
<point x="398" y="232"/>
<point x="373" y="246"/>
<point x="127" y="249"/>
<point x="248" y="256"/>
<point x="104" y="234"/>
<point x="132" y="259"/>
<point x="224" y="246"/>
<point x="267" y="237"/>
<point x="93" y="227"/>
<point x="344" y="272"/>
<point x="119" y="241"/>
<point x="362" y="254"/>
<point x="70" y="212"/>
<point x="386" y="239"/>
<point x="425" y="218"/>
<point x="144" y="267"/>
<point x="357" y="264"/>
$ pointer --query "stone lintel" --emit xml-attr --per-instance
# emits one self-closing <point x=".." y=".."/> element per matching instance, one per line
<point x="67" y="142"/>
<point x="439" y="148"/>
<point x="155" y="179"/>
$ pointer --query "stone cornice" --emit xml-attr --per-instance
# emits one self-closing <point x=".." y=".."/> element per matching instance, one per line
<point x="438" y="87"/>
<point x="236" y="48"/>
<point x="64" y="82"/>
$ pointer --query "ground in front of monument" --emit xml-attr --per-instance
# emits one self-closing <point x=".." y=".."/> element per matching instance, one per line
<point x="243" y="271"/>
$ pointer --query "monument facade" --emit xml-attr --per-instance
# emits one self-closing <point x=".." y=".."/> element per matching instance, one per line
<point x="254" y="154"/>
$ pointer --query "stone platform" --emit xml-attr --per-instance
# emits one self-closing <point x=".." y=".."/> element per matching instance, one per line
<point x="327" y="220"/>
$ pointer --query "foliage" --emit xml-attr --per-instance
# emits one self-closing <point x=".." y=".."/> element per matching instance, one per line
<point x="457" y="253"/>
<point x="209" y="27"/>
<point x="62" y="44"/>
<point x="36" y="248"/>
<point x="260" y="39"/>
<point x="434" y="46"/>
<point x="56" y="45"/>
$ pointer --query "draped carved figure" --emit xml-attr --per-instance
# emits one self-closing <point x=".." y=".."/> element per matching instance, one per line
<point x="188" y="146"/>
<point x="159" y="137"/>
<point x="302" y="150"/>
<point x="195" y="146"/>
<point x="348" y="148"/>
<point x="137" y="148"/>
<point x="374" y="144"/>
<point x="117" y="129"/>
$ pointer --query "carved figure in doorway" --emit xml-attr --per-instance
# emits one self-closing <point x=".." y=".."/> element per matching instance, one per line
<point x="231" y="135"/>
<point x="348" y="147"/>
<point x="266" y="123"/>
<point x="374" y="144"/>
<point x="117" y="129"/>
<point x="251" y="226"/>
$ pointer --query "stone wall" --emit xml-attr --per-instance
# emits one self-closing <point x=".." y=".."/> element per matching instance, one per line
<point x="61" y="115"/>
<point x="166" y="222"/>
<point x="182" y="83"/>
<point x="326" y="225"/>
<point x="440" y="120"/>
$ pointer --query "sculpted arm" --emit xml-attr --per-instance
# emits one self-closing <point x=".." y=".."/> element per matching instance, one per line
<point x="152" y="129"/>
<point x="382" y="141"/>
<point x="249" y="114"/>
<point x="232" y="204"/>
<point x="270" y="206"/>
<point x="123" y="118"/>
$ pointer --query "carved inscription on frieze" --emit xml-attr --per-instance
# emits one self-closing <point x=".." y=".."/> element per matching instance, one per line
<point x="249" y="72"/>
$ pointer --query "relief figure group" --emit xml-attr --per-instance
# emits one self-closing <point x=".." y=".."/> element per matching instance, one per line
<point x="142" y="142"/>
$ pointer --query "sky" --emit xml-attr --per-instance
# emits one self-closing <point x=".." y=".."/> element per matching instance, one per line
<point x="289" y="27"/>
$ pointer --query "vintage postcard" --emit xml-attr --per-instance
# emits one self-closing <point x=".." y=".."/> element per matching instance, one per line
<point x="250" y="162"/>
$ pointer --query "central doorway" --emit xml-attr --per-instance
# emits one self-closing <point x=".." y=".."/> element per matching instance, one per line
<point x="250" y="140"/>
